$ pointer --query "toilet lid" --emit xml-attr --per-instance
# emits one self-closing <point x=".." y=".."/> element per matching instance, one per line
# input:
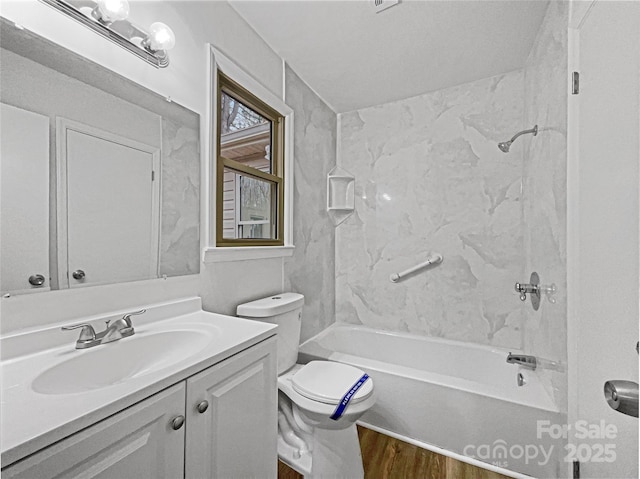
<point x="328" y="382"/>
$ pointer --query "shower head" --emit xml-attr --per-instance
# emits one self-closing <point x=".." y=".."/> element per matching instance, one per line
<point x="505" y="145"/>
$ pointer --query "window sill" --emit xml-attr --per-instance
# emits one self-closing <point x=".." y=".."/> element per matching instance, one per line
<point x="220" y="255"/>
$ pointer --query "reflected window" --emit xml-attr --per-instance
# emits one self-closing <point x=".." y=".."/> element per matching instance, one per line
<point x="250" y="163"/>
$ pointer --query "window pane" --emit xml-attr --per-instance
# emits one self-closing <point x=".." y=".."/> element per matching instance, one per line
<point x="245" y="134"/>
<point x="248" y="207"/>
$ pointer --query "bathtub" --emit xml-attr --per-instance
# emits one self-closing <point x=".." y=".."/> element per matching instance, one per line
<point x="458" y="399"/>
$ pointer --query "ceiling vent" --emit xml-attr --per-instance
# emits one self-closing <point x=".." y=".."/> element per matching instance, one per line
<point x="381" y="5"/>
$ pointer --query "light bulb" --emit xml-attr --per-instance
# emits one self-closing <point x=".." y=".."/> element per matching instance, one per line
<point x="113" y="10"/>
<point x="160" y="37"/>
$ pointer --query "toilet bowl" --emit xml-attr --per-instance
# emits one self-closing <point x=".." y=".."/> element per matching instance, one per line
<point x="318" y="402"/>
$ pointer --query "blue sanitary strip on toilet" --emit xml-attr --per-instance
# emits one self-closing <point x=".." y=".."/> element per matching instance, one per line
<point x="346" y="399"/>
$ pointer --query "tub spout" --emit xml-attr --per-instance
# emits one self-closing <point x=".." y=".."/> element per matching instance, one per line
<point x="529" y="362"/>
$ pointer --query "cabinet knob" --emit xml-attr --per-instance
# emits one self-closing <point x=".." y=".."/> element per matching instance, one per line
<point x="202" y="407"/>
<point x="177" y="422"/>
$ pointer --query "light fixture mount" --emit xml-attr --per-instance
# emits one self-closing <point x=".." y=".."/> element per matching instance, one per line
<point x="108" y="19"/>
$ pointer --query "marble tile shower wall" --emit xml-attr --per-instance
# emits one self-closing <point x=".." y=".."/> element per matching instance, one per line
<point x="430" y="178"/>
<point x="545" y="190"/>
<point x="311" y="269"/>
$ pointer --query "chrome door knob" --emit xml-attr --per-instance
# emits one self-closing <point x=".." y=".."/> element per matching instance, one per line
<point x="78" y="274"/>
<point x="202" y="406"/>
<point x="622" y="396"/>
<point x="177" y="422"/>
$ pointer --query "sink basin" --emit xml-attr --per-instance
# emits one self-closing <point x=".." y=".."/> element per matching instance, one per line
<point x="113" y="363"/>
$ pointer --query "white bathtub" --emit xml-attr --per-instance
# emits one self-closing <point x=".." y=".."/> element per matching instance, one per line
<point x="455" y="398"/>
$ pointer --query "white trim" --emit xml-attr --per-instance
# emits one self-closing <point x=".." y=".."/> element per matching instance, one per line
<point x="573" y="230"/>
<point x="236" y="207"/>
<point x="338" y="142"/>
<point x="288" y="179"/>
<point x="63" y="125"/>
<point x="208" y="183"/>
<point x="61" y="245"/>
<point x="284" y="81"/>
<point x="240" y="76"/>
<point x="211" y="253"/>
<point x="579" y="10"/>
<point x="221" y="255"/>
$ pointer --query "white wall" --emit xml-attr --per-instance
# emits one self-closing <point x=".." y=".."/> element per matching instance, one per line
<point x="185" y="81"/>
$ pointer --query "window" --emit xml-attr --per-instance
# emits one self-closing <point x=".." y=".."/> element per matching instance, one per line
<point x="250" y="169"/>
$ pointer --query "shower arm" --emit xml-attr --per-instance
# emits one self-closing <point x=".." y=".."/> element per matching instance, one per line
<point x="533" y="130"/>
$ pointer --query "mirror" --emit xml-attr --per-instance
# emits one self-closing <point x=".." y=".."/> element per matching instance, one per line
<point x="100" y="176"/>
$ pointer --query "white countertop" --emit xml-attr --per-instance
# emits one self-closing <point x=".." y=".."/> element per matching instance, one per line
<point x="32" y="420"/>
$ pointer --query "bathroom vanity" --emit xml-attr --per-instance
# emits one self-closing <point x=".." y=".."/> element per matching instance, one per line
<point x="191" y="394"/>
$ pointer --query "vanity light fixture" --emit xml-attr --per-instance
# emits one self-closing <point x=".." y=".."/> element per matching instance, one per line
<point x="109" y="19"/>
<point x="109" y="11"/>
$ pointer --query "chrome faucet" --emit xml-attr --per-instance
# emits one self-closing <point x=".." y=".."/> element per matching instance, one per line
<point x="529" y="362"/>
<point x="118" y="329"/>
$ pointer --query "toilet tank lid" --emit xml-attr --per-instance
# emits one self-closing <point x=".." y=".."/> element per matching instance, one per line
<point x="271" y="306"/>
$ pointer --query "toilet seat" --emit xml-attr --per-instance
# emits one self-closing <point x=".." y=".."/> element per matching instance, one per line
<point x="317" y="407"/>
<point x="327" y="382"/>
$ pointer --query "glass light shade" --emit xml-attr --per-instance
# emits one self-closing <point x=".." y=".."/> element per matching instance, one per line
<point x="113" y="10"/>
<point x="160" y="37"/>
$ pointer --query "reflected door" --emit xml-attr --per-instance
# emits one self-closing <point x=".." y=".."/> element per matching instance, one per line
<point x="110" y="190"/>
<point x="24" y="161"/>
<point x="606" y="254"/>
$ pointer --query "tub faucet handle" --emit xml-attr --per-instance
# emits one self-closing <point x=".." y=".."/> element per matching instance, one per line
<point x="550" y="290"/>
<point x="532" y="288"/>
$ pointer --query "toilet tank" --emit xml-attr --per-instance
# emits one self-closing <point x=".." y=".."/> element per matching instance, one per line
<point x="285" y="310"/>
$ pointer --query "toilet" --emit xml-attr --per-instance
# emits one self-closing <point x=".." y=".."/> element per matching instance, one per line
<point x="317" y="434"/>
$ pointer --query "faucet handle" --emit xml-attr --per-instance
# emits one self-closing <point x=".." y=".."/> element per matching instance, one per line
<point x="127" y="317"/>
<point x="87" y="333"/>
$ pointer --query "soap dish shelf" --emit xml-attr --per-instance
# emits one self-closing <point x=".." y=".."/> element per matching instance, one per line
<point x="340" y="194"/>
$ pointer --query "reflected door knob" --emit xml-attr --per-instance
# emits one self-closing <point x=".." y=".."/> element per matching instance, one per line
<point x="36" y="280"/>
<point x="78" y="274"/>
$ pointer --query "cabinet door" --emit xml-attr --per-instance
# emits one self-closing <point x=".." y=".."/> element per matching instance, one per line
<point x="235" y="437"/>
<point x="138" y="442"/>
<point x="110" y="197"/>
<point x="24" y="191"/>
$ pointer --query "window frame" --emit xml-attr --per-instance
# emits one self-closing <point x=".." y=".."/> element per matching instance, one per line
<point x="276" y="177"/>
<point x="212" y="253"/>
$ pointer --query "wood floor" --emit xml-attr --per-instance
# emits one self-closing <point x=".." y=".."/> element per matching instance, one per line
<point x="384" y="457"/>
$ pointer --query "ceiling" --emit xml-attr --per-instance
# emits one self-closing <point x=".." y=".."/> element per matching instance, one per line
<point x="354" y="58"/>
